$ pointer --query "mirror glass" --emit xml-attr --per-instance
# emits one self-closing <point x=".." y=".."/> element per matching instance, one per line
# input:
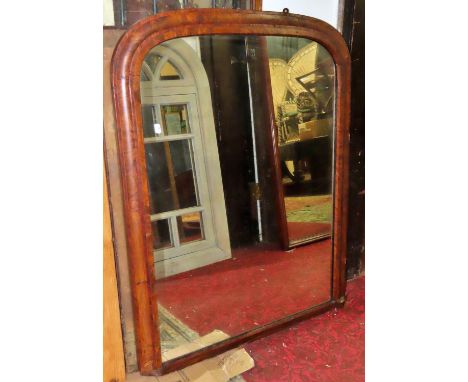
<point x="303" y="85"/>
<point x="217" y="207"/>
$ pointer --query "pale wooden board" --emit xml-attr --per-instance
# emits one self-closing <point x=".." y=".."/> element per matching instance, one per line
<point x="113" y="356"/>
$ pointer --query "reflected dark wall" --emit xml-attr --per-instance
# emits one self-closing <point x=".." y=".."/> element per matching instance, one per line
<point x="224" y="61"/>
<point x="353" y="32"/>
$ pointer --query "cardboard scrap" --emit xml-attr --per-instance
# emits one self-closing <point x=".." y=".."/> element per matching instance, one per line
<point x="196" y="344"/>
<point x="217" y="369"/>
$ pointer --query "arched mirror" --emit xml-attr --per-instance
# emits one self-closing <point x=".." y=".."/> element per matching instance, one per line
<point x="233" y="146"/>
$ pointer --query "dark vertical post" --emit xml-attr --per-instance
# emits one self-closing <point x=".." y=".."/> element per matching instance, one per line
<point x="353" y="32"/>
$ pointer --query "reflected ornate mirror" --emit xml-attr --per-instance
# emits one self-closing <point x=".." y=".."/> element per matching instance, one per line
<point x="233" y="144"/>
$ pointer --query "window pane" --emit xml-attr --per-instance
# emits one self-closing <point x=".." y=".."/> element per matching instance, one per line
<point x="232" y="4"/>
<point x="190" y="227"/>
<point x="143" y="76"/>
<point x="167" y="5"/>
<point x="151" y="126"/>
<point x="152" y="60"/>
<point x="169" y="72"/>
<point x="171" y="175"/>
<point x="199" y="4"/>
<point x="175" y="119"/>
<point x="162" y="237"/>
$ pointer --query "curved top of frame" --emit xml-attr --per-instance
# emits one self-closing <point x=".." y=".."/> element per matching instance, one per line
<point x="151" y="31"/>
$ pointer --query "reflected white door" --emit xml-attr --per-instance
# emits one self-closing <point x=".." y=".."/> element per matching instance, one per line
<point x="179" y="203"/>
<point x="187" y="208"/>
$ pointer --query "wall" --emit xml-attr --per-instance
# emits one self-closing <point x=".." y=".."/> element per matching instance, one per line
<point x="108" y="13"/>
<point x="326" y="10"/>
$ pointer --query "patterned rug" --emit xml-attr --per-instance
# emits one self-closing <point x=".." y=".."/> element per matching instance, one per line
<point x="326" y="348"/>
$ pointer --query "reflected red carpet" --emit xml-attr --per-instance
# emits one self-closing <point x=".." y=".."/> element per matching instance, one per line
<point x="302" y="230"/>
<point x="255" y="287"/>
<point x="327" y="348"/>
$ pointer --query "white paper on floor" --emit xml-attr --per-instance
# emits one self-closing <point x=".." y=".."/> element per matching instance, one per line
<point x="221" y="368"/>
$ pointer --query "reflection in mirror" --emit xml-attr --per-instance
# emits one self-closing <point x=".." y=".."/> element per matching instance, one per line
<point x="303" y="85"/>
<point x="172" y="181"/>
<point x="169" y="72"/>
<point x="220" y="266"/>
<point x="162" y="237"/>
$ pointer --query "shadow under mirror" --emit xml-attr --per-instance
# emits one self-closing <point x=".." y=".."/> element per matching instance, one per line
<point x="221" y="194"/>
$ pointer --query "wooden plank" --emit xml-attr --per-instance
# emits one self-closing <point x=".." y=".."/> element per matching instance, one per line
<point x="110" y="38"/>
<point x="113" y="362"/>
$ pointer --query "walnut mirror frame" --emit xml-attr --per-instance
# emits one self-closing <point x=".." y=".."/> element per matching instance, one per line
<point x="126" y="66"/>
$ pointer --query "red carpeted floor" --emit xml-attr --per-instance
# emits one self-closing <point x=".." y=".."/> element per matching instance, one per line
<point x="327" y="348"/>
<point x="255" y="287"/>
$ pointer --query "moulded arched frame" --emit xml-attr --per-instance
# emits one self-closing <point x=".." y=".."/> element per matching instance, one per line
<point x="167" y="56"/>
<point x="126" y="68"/>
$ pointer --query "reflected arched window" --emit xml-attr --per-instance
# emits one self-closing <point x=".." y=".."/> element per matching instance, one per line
<point x="152" y="61"/>
<point x="149" y="66"/>
<point x="169" y="72"/>
<point x="157" y="67"/>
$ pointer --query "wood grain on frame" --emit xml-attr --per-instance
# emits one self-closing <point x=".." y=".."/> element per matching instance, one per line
<point x="127" y="61"/>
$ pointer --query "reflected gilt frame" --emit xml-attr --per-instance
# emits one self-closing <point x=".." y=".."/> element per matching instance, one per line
<point x="126" y="64"/>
